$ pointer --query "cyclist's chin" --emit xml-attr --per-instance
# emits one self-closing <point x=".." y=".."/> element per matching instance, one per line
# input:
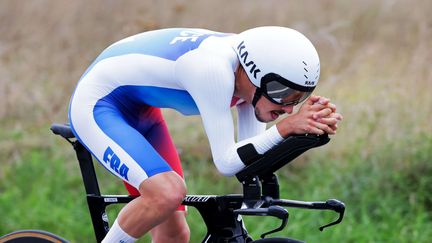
<point x="267" y="117"/>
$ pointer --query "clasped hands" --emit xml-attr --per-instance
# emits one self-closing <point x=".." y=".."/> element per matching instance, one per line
<point x="317" y="115"/>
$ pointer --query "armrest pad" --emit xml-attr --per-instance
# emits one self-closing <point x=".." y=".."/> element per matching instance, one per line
<point x="282" y="154"/>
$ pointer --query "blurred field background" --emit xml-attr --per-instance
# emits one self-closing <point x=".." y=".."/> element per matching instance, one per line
<point x="375" y="62"/>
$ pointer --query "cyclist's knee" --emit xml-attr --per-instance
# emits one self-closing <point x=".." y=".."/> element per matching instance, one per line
<point x="165" y="190"/>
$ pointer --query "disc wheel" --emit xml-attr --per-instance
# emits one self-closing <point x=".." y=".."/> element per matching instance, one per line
<point x="31" y="236"/>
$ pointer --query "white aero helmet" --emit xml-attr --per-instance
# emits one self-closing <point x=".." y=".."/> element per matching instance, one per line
<point x="281" y="62"/>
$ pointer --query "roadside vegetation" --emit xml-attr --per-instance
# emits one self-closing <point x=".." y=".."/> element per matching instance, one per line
<point x="375" y="60"/>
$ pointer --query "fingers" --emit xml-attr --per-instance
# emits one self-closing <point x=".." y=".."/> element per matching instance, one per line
<point x="319" y="129"/>
<point x="325" y="104"/>
<point x="336" y="116"/>
<point x="319" y="99"/>
<point x="313" y="130"/>
<point x="322" y="113"/>
<point x="323" y="101"/>
<point x="328" y="121"/>
<point x="323" y="127"/>
<point x="312" y="99"/>
<point x="331" y="119"/>
<point x="328" y="124"/>
<point x="332" y="107"/>
<point x="334" y="127"/>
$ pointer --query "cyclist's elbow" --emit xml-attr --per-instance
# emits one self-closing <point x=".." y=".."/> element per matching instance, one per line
<point x="226" y="172"/>
<point x="228" y="169"/>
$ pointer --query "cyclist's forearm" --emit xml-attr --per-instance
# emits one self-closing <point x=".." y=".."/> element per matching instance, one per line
<point x="229" y="162"/>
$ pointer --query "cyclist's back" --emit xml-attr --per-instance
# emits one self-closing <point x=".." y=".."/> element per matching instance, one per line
<point x="142" y="67"/>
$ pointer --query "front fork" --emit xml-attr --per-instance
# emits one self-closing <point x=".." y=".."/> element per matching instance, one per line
<point x="218" y="213"/>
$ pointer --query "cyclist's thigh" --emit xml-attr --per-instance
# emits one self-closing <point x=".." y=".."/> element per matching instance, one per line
<point x="159" y="137"/>
<point x="154" y="128"/>
<point x="117" y="145"/>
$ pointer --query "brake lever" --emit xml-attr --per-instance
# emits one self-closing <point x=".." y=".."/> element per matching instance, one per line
<point x="280" y="213"/>
<point x="338" y="207"/>
<point x="275" y="211"/>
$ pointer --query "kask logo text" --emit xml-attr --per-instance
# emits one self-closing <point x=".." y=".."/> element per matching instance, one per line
<point x="243" y="54"/>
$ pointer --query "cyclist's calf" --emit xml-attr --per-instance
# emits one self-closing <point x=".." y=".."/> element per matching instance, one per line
<point x="174" y="229"/>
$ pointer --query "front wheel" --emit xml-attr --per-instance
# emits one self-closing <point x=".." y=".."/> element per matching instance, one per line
<point x="277" y="240"/>
<point x="34" y="236"/>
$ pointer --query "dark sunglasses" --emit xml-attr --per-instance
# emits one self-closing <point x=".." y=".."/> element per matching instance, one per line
<point x="282" y="91"/>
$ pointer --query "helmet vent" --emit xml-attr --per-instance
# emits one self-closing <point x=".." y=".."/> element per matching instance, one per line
<point x="305" y="70"/>
<point x="317" y="72"/>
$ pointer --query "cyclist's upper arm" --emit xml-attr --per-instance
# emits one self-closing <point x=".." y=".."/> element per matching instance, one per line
<point x="210" y="81"/>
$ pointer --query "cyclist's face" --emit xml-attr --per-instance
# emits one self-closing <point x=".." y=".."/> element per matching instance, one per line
<point x="267" y="111"/>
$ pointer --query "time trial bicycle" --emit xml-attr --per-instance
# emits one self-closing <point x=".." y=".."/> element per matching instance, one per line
<point x="221" y="214"/>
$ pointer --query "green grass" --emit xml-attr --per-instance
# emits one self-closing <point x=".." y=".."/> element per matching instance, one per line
<point x="386" y="194"/>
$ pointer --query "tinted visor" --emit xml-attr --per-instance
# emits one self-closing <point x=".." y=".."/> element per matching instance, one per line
<point x="284" y="92"/>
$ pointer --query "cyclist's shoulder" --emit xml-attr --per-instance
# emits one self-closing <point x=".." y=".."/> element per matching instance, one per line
<point x="169" y="44"/>
<point x="207" y="64"/>
<point x="215" y="52"/>
<point x="169" y="37"/>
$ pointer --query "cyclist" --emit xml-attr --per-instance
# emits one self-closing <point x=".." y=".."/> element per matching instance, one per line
<point x="115" y="111"/>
